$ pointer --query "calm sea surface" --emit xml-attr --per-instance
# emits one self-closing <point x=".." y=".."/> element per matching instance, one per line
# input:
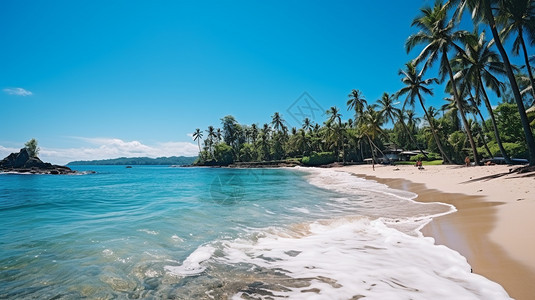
<point x="195" y="233"/>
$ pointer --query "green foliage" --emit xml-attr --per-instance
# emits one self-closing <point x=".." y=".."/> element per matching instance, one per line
<point x="508" y="121"/>
<point x="223" y="154"/>
<point x="425" y="163"/>
<point x="516" y="150"/>
<point x="430" y="157"/>
<point x="317" y="159"/>
<point x="247" y="153"/>
<point x="32" y="147"/>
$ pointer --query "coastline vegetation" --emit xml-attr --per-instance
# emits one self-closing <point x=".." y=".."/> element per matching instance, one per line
<point x="471" y="65"/>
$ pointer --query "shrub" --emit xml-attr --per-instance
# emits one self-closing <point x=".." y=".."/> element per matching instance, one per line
<point x="317" y="159"/>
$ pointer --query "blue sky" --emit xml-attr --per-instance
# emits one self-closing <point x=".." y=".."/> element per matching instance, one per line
<point x="103" y="79"/>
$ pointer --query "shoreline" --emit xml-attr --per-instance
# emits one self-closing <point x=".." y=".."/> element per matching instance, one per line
<point x="491" y="227"/>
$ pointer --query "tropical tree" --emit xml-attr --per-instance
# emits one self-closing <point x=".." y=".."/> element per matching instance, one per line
<point x="439" y="37"/>
<point x="370" y="127"/>
<point x="211" y="137"/>
<point x="337" y="130"/>
<point x="197" y="136"/>
<point x="254" y="133"/>
<point x="356" y="103"/>
<point x="482" y="11"/>
<point x="277" y="121"/>
<point x="518" y="16"/>
<point x="307" y="124"/>
<point x="394" y="114"/>
<point x="32" y="148"/>
<point x="414" y="87"/>
<point x="477" y="66"/>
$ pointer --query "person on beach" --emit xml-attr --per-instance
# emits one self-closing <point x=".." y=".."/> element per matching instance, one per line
<point x="467" y="161"/>
<point x="419" y="164"/>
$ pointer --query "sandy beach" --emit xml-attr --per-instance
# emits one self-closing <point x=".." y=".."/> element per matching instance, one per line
<point x="493" y="227"/>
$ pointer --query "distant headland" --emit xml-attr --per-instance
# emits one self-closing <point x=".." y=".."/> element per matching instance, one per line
<point x="173" y="160"/>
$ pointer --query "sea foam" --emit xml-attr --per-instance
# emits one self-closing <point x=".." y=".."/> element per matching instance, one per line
<point x="378" y="254"/>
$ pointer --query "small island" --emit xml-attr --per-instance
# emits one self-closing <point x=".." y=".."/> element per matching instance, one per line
<point x="26" y="161"/>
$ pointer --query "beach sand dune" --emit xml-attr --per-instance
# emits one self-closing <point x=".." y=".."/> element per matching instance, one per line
<point x="493" y="227"/>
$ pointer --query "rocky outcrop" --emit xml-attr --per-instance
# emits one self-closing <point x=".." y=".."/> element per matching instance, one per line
<point x="22" y="163"/>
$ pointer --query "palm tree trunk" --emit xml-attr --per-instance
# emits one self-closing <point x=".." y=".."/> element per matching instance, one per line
<point x="494" y="125"/>
<point x="412" y="138"/>
<point x="373" y="155"/>
<point x="530" y="141"/>
<point x="461" y="111"/>
<point x="530" y="74"/>
<point x="435" y="136"/>
<point x="482" y="132"/>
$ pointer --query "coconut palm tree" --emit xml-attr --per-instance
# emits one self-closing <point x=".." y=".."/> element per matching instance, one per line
<point x="254" y="132"/>
<point x="370" y="127"/>
<point x="219" y="135"/>
<point x="439" y="37"/>
<point x="197" y="136"/>
<point x="335" y="118"/>
<point x="277" y="122"/>
<point x="476" y="67"/>
<point x="211" y="137"/>
<point x="518" y="16"/>
<point x="414" y="87"/>
<point x="482" y="11"/>
<point x="357" y="103"/>
<point x="307" y="124"/>
<point x="393" y="114"/>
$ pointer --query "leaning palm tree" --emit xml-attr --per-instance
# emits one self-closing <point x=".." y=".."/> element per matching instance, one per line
<point x="414" y="87"/>
<point x="370" y="127"/>
<point x="439" y="37"/>
<point x="476" y="67"/>
<point x="518" y="16"/>
<point x="357" y="103"/>
<point x="483" y="11"/>
<point x="197" y="136"/>
<point x="393" y="114"/>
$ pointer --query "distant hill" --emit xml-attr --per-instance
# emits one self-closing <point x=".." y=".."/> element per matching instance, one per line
<point x="173" y="160"/>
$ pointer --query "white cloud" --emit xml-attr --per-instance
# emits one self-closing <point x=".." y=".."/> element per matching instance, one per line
<point x="104" y="148"/>
<point x="17" y="92"/>
<point x="4" y="151"/>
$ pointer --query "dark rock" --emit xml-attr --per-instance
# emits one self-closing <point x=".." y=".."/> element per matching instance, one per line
<point x="22" y="163"/>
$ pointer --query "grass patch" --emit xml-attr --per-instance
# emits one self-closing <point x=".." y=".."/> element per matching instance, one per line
<point x="425" y="163"/>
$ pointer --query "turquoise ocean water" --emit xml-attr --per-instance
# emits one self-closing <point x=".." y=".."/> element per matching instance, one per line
<point x="157" y="232"/>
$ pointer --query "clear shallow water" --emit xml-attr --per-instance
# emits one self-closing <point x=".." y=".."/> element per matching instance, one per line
<point x="191" y="233"/>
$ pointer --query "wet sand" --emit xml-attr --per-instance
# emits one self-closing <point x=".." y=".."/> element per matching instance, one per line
<point x="492" y="221"/>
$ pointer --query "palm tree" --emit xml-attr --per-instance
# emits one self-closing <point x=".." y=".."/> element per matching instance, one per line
<point x="357" y="103"/>
<point x="414" y="87"/>
<point x="277" y="122"/>
<point x="254" y="132"/>
<point x="519" y="16"/>
<point x="334" y="115"/>
<point x="197" y="136"/>
<point x="211" y="137"/>
<point x="218" y="134"/>
<point x="370" y="127"/>
<point x="477" y="65"/>
<point x="482" y="10"/>
<point x="307" y="124"/>
<point x="439" y="38"/>
<point x="394" y="114"/>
